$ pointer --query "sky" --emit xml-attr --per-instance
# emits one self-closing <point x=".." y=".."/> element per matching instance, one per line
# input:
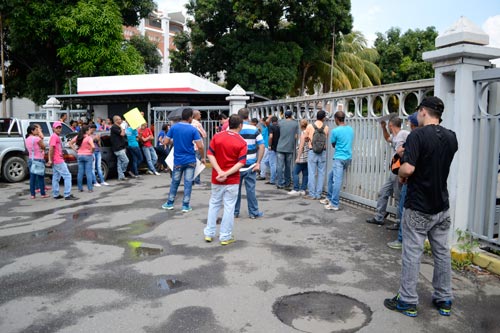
<point x="372" y="16"/>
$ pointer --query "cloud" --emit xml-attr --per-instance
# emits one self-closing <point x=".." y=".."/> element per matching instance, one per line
<point x="490" y="26"/>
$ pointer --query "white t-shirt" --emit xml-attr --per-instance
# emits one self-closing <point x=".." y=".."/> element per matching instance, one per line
<point x="398" y="140"/>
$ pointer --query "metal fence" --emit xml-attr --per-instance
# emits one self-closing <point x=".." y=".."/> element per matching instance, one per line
<point x="484" y="219"/>
<point x="371" y="154"/>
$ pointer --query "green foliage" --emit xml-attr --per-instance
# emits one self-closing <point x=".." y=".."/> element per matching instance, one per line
<point x="467" y="244"/>
<point x="401" y="55"/>
<point x="181" y="59"/>
<point x="51" y="41"/>
<point x="148" y="50"/>
<point x="229" y="36"/>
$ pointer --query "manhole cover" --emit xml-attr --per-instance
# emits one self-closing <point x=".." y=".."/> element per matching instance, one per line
<point x="322" y="312"/>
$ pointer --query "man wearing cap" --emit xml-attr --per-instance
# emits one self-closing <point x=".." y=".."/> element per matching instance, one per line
<point x="59" y="167"/>
<point x="425" y="167"/>
<point x="396" y="137"/>
<point x="289" y="130"/>
<point x="398" y="243"/>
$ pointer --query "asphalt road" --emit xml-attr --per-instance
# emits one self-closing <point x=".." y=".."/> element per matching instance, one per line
<point x="114" y="261"/>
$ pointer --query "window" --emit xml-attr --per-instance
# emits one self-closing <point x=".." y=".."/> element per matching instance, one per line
<point x="43" y="125"/>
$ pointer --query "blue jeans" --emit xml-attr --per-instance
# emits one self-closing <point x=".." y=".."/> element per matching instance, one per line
<point x="300" y="168"/>
<point x="249" y="178"/>
<point x="222" y="195"/>
<point x="284" y="169"/>
<point x="329" y="185"/>
<point x="316" y="164"/>
<point x="264" y="164"/>
<point x="121" y="162"/>
<point x="417" y="227"/>
<point x="136" y="154"/>
<point x="272" y="166"/>
<point x="401" y="208"/>
<point x="36" y="181"/>
<point x="179" y="170"/>
<point x="85" y="167"/>
<point x="338" y="168"/>
<point x="97" y="167"/>
<point x="58" y="171"/>
<point x="151" y="157"/>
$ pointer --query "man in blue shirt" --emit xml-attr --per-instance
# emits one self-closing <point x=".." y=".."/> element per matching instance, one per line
<point x="248" y="173"/>
<point x="341" y="139"/>
<point x="264" y="130"/>
<point x="183" y="135"/>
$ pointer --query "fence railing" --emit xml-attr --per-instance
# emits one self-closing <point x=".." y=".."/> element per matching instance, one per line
<point x="484" y="219"/>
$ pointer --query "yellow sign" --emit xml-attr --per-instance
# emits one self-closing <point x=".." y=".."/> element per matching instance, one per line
<point x="134" y="118"/>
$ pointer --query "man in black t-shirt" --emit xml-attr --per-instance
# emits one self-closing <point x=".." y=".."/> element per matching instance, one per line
<point x="119" y="145"/>
<point x="274" y="136"/>
<point x="429" y="151"/>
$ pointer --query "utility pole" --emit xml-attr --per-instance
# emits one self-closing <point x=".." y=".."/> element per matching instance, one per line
<point x="333" y="54"/>
<point x="4" y="93"/>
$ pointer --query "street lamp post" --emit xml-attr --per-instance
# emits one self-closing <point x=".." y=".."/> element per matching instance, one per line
<point x="4" y="93"/>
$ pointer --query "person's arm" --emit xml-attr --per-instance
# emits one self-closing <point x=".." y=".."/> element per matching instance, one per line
<point x="405" y="171"/>
<point x="260" y="154"/>
<point x="72" y="144"/>
<point x="270" y="141"/>
<point x="201" y="150"/>
<point x="41" y="143"/>
<point x="386" y="134"/>
<point x="167" y="141"/>
<point x="301" y="146"/>
<point x="51" y="155"/>
<point x="91" y="142"/>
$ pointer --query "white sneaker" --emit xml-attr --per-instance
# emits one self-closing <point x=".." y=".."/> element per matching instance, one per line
<point x="157" y="173"/>
<point x="149" y="172"/>
<point x="293" y="192"/>
<point x="331" y="207"/>
<point x="105" y="184"/>
<point x="324" y="201"/>
<point x="97" y="185"/>
<point x="302" y="192"/>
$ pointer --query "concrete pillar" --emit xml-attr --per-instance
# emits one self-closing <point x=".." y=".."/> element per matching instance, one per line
<point x="460" y="51"/>
<point x="165" y="26"/>
<point x="237" y="99"/>
<point x="51" y="107"/>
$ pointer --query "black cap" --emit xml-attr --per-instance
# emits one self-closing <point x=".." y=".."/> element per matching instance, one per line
<point x="432" y="102"/>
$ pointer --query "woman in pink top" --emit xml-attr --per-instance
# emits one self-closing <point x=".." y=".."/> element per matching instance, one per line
<point x="36" y="151"/>
<point x="85" y="149"/>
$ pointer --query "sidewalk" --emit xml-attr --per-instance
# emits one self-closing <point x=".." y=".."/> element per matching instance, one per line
<point x="114" y="261"/>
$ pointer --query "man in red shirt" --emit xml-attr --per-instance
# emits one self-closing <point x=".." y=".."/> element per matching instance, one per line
<point x="227" y="154"/>
<point x="149" y="151"/>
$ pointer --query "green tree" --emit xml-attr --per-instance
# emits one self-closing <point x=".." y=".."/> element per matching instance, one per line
<point x="49" y="41"/>
<point x="181" y="59"/>
<point x="261" y="44"/>
<point x="401" y="54"/>
<point x="149" y="52"/>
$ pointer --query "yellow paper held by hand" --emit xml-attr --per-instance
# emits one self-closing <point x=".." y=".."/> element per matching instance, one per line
<point x="134" y="118"/>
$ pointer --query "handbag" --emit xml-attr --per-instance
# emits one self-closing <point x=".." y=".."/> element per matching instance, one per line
<point x="37" y="167"/>
<point x="395" y="163"/>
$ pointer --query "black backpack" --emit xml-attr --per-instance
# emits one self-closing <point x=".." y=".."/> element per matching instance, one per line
<point x="318" y="139"/>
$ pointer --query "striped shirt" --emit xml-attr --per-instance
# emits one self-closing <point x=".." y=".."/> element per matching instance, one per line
<point x="253" y="139"/>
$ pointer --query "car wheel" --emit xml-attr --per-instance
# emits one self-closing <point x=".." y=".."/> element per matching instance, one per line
<point x="105" y="170"/>
<point x="15" y="169"/>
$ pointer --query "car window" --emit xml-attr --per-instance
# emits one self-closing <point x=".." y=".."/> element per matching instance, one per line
<point x="105" y="140"/>
<point x="43" y="125"/>
<point x="66" y="130"/>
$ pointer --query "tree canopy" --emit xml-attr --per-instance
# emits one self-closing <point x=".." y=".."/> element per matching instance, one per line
<point x="48" y="42"/>
<point x="261" y="45"/>
<point x="401" y="54"/>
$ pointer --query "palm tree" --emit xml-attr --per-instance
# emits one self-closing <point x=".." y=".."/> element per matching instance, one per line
<point x="354" y="66"/>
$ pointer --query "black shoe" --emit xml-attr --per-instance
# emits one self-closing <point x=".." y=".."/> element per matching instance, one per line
<point x="71" y="197"/>
<point x="59" y="197"/>
<point x="394" y="226"/>
<point x="269" y="183"/>
<point x="280" y="187"/>
<point x="261" y="178"/>
<point x="395" y="304"/>
<point x="374" y="221"/>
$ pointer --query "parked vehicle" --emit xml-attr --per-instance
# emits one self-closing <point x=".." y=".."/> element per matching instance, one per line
<point x="13" y="154"/>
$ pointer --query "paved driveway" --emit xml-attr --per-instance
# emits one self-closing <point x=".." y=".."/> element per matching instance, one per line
<point x="114" y="261"/>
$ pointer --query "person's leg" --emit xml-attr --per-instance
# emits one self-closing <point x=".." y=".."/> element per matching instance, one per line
<point x="253" y="205"/>
<point x="81" y="172"/>
<point x="136" y="154"/>
<point x="154" y="157"/>
<point x="147" y="156"/>
<point x="264" y="164"/>
<point x="329" y="184"/>
<point x="237" y="206"/>
<point x="312" y="162"/>
<point x="176" y="179"/>
<point x="384" y="194"/>
<point x="188" y="184"/>
<point x="40" y="180"/>
<point x="288" y="168"/>
<point x="56" y="177"/>
<point x="396" y="193"/>
<point x="89" y="160"/>
<point x="272" y="166"/>
<point x="401" y="207"/>
<point x="321" y="174"/>
<point x="414" y="234"/>
<point x="66" y="175"/>
<point x="438" y="237"/>
<point x="98" y="161"/>
<point x="305" y="176"/>
<point x="296" y="171"/>
<point x="338" y="174"/>
<point x="121" y="163"/>
<point x="197" y="180"/>
<point x="32" y="180"/>
<point x="214" y="206"/>
<point x="230" y="197"/>
<point x="280" y="169"/>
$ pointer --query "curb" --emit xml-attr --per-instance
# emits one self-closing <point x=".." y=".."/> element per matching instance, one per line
<point x="481" y="258"/>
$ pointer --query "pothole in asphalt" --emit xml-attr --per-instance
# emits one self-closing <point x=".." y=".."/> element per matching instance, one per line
<point x="140" y="249"/>
<point x="169" y="284"/>
<point x="319" y="311"/>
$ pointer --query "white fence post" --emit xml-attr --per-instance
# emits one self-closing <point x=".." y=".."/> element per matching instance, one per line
<point x="237" y="99"/>
<point x="460" y="52"/>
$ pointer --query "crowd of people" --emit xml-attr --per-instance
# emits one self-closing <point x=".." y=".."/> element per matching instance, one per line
<point x="247" y="150"/>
